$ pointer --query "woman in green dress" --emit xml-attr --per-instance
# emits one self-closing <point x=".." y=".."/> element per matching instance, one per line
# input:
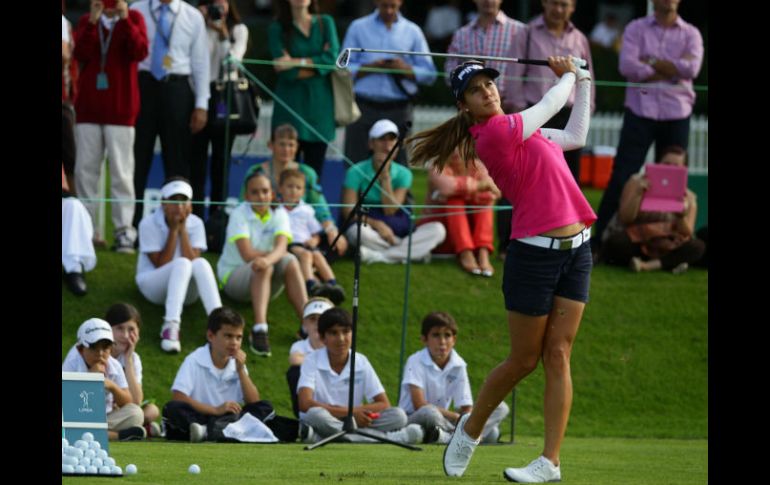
<point x="299" y="41"/>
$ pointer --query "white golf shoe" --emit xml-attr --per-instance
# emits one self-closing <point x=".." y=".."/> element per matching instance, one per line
<point x="410" y="434"/>
<point x="458" y="452"/>
<point x="540" y="470"/>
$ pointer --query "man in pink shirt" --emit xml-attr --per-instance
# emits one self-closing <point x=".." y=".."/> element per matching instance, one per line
<point x="664" y="52"/>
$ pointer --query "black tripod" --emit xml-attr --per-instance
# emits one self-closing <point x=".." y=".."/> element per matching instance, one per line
<point x="358" y="212"/>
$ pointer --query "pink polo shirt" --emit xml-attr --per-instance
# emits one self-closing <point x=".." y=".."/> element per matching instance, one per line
<point x="532" y="175"/>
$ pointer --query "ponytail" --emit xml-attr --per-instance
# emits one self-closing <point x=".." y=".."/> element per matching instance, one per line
<point x="438" y="143"/>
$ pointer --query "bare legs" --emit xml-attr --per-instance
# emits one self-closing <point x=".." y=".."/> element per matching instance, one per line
<point x="550" y="338"/>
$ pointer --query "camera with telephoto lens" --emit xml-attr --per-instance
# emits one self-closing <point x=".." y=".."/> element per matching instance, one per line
<point x="215" y="12"/>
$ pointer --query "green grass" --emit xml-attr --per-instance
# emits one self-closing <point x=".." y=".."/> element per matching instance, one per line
<point x="639" y="366"/>
<point x="586" y="461"/>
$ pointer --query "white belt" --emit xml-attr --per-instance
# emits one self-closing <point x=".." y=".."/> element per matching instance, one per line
<point x="562" y="243"/>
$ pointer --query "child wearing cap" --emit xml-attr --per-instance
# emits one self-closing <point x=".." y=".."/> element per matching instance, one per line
<point x="299" y="349"/>
<point x="212" y="387"/>
<point x="126" y="323"/>
<point x="436" y="379"/>
<point x="385" y="229"/>
<point x="91" y="353"/>
<point x="255" y="264"/>
<point x="323" y="390"/>
<point x="170" y="269"/>
<point x="306" y="237"/>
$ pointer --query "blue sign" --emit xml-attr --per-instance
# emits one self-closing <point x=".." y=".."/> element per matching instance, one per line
<point x="83" y="407"/>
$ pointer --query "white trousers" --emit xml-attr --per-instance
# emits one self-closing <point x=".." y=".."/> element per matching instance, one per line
<point x="77" y="247"/>
<point x="429" y="416"/>
<point x="424" y="238"/>
<point x="92" y="141"/>
<point x="180" y="282"/>
<point x="324" y="424"/>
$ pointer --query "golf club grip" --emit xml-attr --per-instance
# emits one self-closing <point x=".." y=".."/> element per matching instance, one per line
<point x="540" y="62"/>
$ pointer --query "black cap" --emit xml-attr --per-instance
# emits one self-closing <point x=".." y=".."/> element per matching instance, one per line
<point x="463" y="73"/>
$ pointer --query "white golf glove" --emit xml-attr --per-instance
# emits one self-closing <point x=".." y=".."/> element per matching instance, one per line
<point x="581" y="72"/>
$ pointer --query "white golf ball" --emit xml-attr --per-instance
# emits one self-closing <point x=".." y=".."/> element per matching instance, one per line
<point x="97" y="462"/>
<point x="87" y="436"/>
<point x="105" y="470"/>
<point x="109" y="461"/>
<point x="69" y="460"/>
<point x="101" y="454"/>
<point x="72" y="451"/>
<point x="80" y="469"/>
<point x="116" y="470"/>
<point x="130" y="469"/>
<point x="195" y="469"/>
<point x="85" y="461"/>
<point x="89" y="454"/>
<point x="64" y="443"/>
<point x="92" y="470"/>
<point x="83" y="445"/>
<point x="67" y="469"/>
<point x="95" y="445"/>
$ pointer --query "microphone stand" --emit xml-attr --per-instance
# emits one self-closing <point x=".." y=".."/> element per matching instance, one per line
<point x="358" y="212"/>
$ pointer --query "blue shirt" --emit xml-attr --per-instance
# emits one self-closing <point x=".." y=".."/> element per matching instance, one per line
<point x="370" y="32"/>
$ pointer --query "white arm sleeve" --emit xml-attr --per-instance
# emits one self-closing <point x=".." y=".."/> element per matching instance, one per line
<point x="554" y="100"/>
<point x="574" y="135"/>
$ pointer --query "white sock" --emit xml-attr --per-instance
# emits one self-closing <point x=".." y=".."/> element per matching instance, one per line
<point x="260" y="327"/>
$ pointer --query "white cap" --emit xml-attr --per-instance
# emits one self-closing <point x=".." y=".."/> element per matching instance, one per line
<point x="383" y="127"/>
<point x="316" y="307"/>
<point x="94" y="330"/>
<point x="176" y="187"/>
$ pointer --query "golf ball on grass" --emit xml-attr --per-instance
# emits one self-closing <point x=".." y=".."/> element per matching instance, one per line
<point x="130" y="469"/>
<point x="194" y="469"/>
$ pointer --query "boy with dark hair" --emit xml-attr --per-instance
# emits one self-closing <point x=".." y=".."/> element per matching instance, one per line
<point x="211" y="384"/>
<point x="323" y="390"/>
<point x="436" y="378"/>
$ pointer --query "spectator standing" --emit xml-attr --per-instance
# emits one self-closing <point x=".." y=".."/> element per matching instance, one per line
<point x="299" y="39"/>
<point x="665" y="52"/>
<point x="111" y="41"/>
<point x="226" y="36"/>
<point x="385" y="95"/>
<point x="173" y="88"/>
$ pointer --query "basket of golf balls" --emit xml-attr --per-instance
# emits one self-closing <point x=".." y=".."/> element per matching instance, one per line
<point x="86" y="457"/>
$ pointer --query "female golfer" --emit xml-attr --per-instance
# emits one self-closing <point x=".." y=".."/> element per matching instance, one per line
<point x="548" y="265"/>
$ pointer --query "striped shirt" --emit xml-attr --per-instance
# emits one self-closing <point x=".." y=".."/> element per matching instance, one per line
<point x="505" y="37"/>
<point x="541" y="44"/>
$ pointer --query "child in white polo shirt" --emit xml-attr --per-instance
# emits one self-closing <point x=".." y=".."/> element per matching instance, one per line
<point x="126" y="324"/>
<point x="170" y="269"/>
<point x="255" y="263"/>
<point x="436" y="377"/>
<point x="211" y="385"/>
<point x="91" y="353"/>
<point x="306" y="237"/>
<point x="299" y="349"/>
<point x="324" y="387"/>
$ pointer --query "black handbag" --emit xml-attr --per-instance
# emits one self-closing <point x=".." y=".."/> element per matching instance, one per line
<point x="244" y="107"/>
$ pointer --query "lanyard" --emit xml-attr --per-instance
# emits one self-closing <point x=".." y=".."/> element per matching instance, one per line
<point x="170" y="30"/>
<point x="105" y="43"/>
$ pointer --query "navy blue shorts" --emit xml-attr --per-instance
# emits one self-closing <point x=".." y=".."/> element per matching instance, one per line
<point x="534" y="275"/>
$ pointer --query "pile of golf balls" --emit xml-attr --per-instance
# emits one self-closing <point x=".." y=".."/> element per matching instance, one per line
<point x="86" y="456"/>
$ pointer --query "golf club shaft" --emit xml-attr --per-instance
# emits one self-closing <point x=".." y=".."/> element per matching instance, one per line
<point x="344" y="58"/>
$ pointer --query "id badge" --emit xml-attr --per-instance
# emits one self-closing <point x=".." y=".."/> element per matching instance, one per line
<point x="167" y="62"/>
<point x="101" y="81"/>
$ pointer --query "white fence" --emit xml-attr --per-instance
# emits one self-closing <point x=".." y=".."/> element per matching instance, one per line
<point x="604" y="131"/>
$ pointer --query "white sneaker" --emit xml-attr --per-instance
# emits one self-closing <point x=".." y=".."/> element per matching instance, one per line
<point x="306" y="433"/>
<point x="458" y="452"/>
<point x="198" y="433"/>
<point x="443" y="436"/>
<point x="370" y="256"/>
<point x="492" y="436"/>
<point x="410" y="434"/>
<point x="169" y="334"/>
<point x="541" y="470"/>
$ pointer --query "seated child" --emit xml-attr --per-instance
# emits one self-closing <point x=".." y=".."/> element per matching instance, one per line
<point x="170" y="270"/>
<point x="211" y="385"/>
<point x="313" y="310"/>
<point x="91" y="353"/>
<point x="126" y="322"/>
<point x="323" y="390"/>
<point x="436" y="377"/>
<point x="255" y="264"/>
<point x="306" y="237"/>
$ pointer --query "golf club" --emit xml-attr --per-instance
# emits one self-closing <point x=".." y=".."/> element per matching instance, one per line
<point x="344" y="58"/>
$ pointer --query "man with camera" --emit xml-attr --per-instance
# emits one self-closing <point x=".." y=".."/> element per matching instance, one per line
<point x="174" y="89"/>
